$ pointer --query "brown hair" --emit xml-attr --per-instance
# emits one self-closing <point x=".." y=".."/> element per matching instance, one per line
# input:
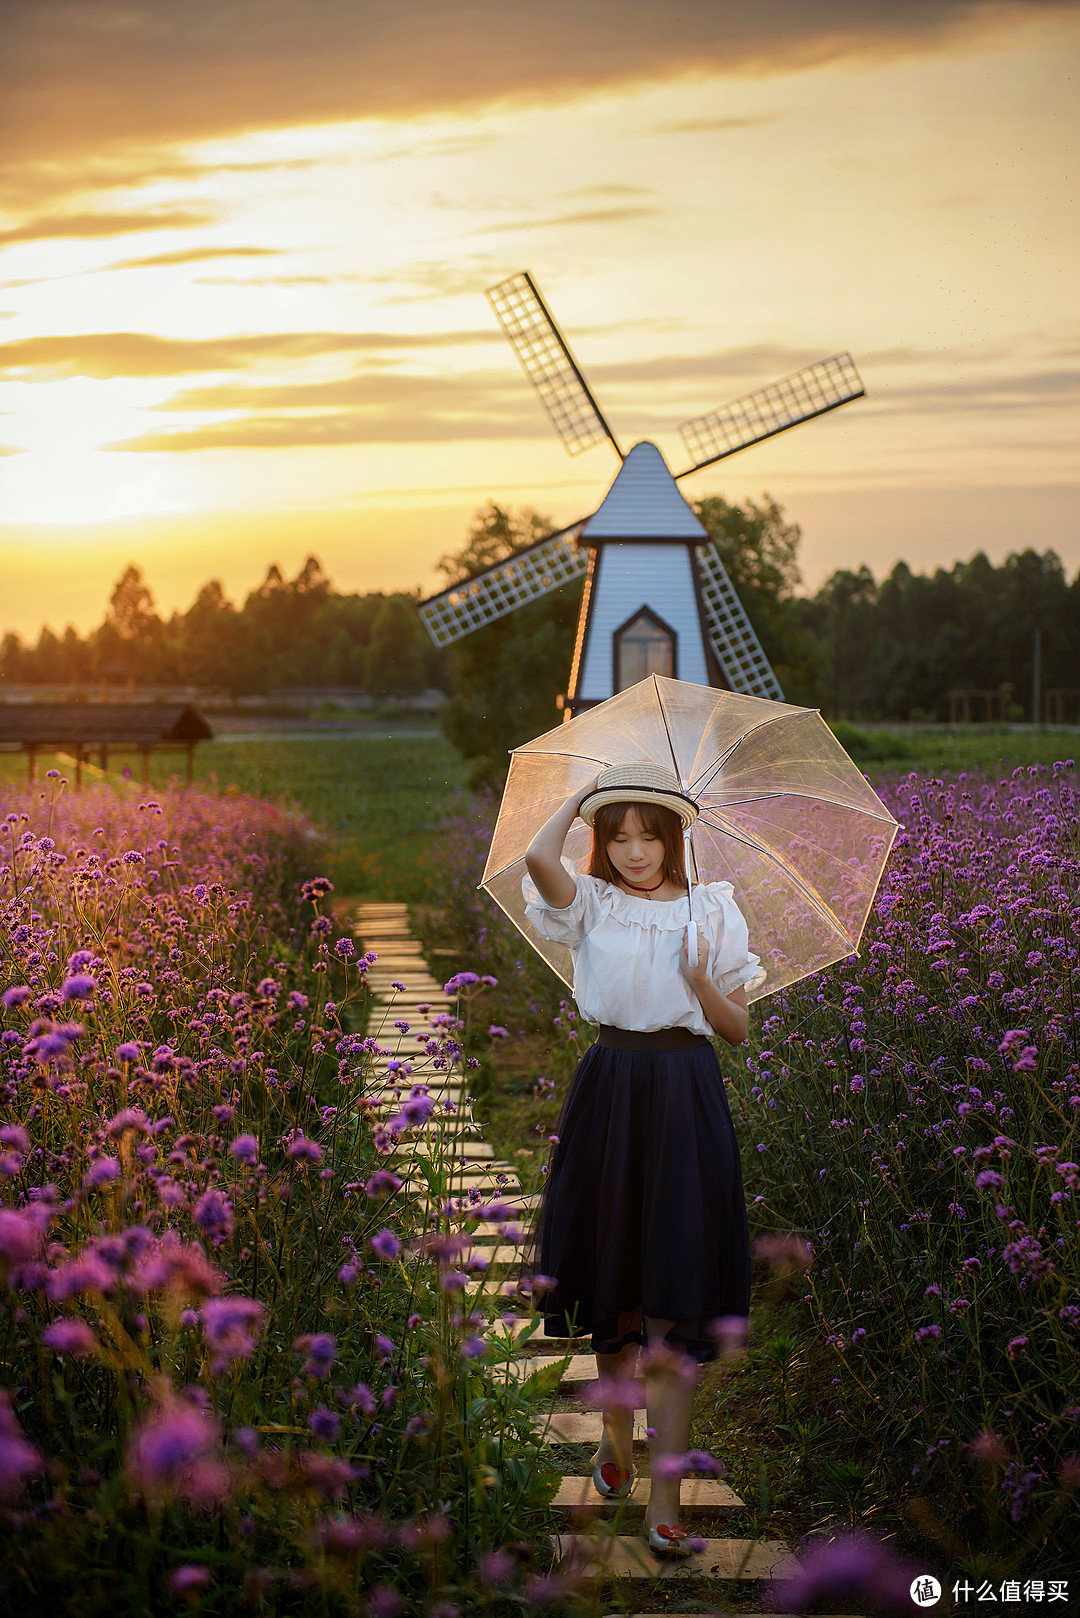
<point x="653" y="818"/>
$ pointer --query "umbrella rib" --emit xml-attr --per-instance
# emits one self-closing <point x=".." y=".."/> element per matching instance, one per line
<point x="703" y="781"/>
<point x="557" y="752"/>
<point x="759" y="848"/>
<point x="816" y="797"/>
<point x="667" y="730"/>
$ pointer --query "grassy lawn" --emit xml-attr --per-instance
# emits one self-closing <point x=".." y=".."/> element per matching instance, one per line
<point x="940" y="748"/>
<point x="376" y="797"/>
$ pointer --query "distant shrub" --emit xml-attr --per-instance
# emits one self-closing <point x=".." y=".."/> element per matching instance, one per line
<point x="867" y="747"/>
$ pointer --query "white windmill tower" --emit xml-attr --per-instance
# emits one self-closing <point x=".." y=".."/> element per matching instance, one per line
<point x="657" y="598"/>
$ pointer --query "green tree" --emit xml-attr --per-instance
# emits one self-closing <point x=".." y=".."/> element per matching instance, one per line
<point x="495" y="534"/>
<point x="843" y="621"/>
<point x="759" y="549"/>
<point x="129" y="642"/>
<point x="210" y="639"/>
<point x="14" y="657"/>
<point x="395" y="653"/>
<point x="504" y="677"/>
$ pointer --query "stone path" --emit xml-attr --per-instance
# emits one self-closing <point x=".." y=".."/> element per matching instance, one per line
<point x="708" y="1505"/>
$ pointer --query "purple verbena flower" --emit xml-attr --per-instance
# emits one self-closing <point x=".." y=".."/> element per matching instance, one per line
<point x="385" y="1244"/>
<point x="325" y="1423"/>
<point x="80" y="986"/>
<point x="303" y="1150"/>
<point x="213" y="1215"/>
<point x="70" y="1336"/>
<point x="319" y="1350"/>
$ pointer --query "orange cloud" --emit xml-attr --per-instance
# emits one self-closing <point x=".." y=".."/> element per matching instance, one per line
<point x="191" y="255"/>
<point x="53" y="227"/>
<point x="139" y="354"/>
<point x="99" y="74"/>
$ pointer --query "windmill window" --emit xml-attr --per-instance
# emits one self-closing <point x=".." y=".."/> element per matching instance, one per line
<point x="643" y="646"/>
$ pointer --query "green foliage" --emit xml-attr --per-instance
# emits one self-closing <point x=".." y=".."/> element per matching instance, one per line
<point x="865" y="747"/>
<point x="895" y="650"/>
<point x="759" y="550"/>
<point x="506" y="676"/>
<point x="376" y="797"/>
<point x="288" y="632"/>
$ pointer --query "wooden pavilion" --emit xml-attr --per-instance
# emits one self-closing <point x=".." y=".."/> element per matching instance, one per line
<point x="104" y="728"/>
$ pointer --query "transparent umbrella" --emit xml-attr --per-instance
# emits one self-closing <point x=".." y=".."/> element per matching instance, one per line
<point x="785" y="815"/>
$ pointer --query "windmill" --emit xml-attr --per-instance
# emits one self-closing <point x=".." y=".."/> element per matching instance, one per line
<point x="657" y="598"/>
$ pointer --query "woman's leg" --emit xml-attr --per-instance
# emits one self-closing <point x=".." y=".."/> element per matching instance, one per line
<point x="617" y="1442"/>
<point x="669" y="1402"/>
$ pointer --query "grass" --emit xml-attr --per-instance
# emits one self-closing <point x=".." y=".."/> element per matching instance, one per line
<point x="376" y="797"/>
<point x="938" y="749"/>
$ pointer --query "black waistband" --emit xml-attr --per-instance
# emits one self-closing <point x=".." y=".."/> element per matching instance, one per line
<point x="660" y="1039"/>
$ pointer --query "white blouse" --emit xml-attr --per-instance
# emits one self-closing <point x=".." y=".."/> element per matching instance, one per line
<point x="626" y="951"/>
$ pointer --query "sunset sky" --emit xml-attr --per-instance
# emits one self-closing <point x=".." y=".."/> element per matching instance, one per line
<point x="244" y="246"/>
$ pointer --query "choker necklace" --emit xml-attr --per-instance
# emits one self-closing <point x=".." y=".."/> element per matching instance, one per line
<point x="638" y="889"/>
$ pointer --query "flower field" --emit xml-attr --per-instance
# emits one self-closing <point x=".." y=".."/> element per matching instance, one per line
<point x="909" y="1123"/>
<point x="914" y="1117"/>
<point x="239" y="1367"/>
<point x="243" y="1371"/>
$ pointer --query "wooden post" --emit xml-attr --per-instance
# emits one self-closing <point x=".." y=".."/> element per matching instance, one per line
<point x="145" y="751"/>
<point x="104" y="755"/>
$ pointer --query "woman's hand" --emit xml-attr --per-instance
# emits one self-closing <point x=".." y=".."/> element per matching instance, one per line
<point x="725" y="1014"/>
<point x="699" y="974"/>
<point x="578" y="797"/>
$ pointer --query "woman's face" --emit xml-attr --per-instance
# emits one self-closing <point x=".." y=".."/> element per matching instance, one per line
<point x="636" y="854"/>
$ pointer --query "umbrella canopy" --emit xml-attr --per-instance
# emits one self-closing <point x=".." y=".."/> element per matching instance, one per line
<point x="786" y="816"/>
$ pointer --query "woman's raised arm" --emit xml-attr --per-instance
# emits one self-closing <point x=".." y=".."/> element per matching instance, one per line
<point x="543" y="857"/>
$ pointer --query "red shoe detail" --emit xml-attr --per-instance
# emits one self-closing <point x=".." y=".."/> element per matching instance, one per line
<point x="670" y="1533"/>
<point x="612" y="1476"/>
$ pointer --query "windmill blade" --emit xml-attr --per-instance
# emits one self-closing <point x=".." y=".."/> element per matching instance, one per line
<point x="798" y="397"/>
<point x="533" y="571"/>
<point x="738" y="650"/>
<point x="548" y="363"/>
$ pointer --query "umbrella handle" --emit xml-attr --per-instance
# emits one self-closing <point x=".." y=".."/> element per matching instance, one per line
<point x="691" y="930"/>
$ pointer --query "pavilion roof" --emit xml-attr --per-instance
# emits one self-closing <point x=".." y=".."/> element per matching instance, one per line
<point x="134" y="724"/>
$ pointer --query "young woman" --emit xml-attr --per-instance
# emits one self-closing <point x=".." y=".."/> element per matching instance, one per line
<point x="642" y="1220"/>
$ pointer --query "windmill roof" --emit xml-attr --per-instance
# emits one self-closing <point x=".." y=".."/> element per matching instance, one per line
<point x="644" y="502"/>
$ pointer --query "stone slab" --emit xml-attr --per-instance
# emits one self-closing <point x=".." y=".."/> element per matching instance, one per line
<point x="474" y="1151"/>
<point x="584" y="1427"/>
<point x="624" y="1557"/>
<point x="696" y="1494"/>
<point x="579" y="1368"/>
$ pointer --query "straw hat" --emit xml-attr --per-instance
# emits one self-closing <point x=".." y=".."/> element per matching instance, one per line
<point x="639" y="783"/>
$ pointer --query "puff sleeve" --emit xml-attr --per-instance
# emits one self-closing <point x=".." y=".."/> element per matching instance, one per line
<point x="732" y="964"/>
<point x="570" y="924"/>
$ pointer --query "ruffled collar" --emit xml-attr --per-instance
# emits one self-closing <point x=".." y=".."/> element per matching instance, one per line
<point x="665" y="913"/>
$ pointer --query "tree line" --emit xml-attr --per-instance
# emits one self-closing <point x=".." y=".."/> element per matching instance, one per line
<point x="859" y="649"/>
<point x="288" y="632"/>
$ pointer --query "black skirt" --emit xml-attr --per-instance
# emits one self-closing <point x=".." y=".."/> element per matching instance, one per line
<point x="642" y="1211"/>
